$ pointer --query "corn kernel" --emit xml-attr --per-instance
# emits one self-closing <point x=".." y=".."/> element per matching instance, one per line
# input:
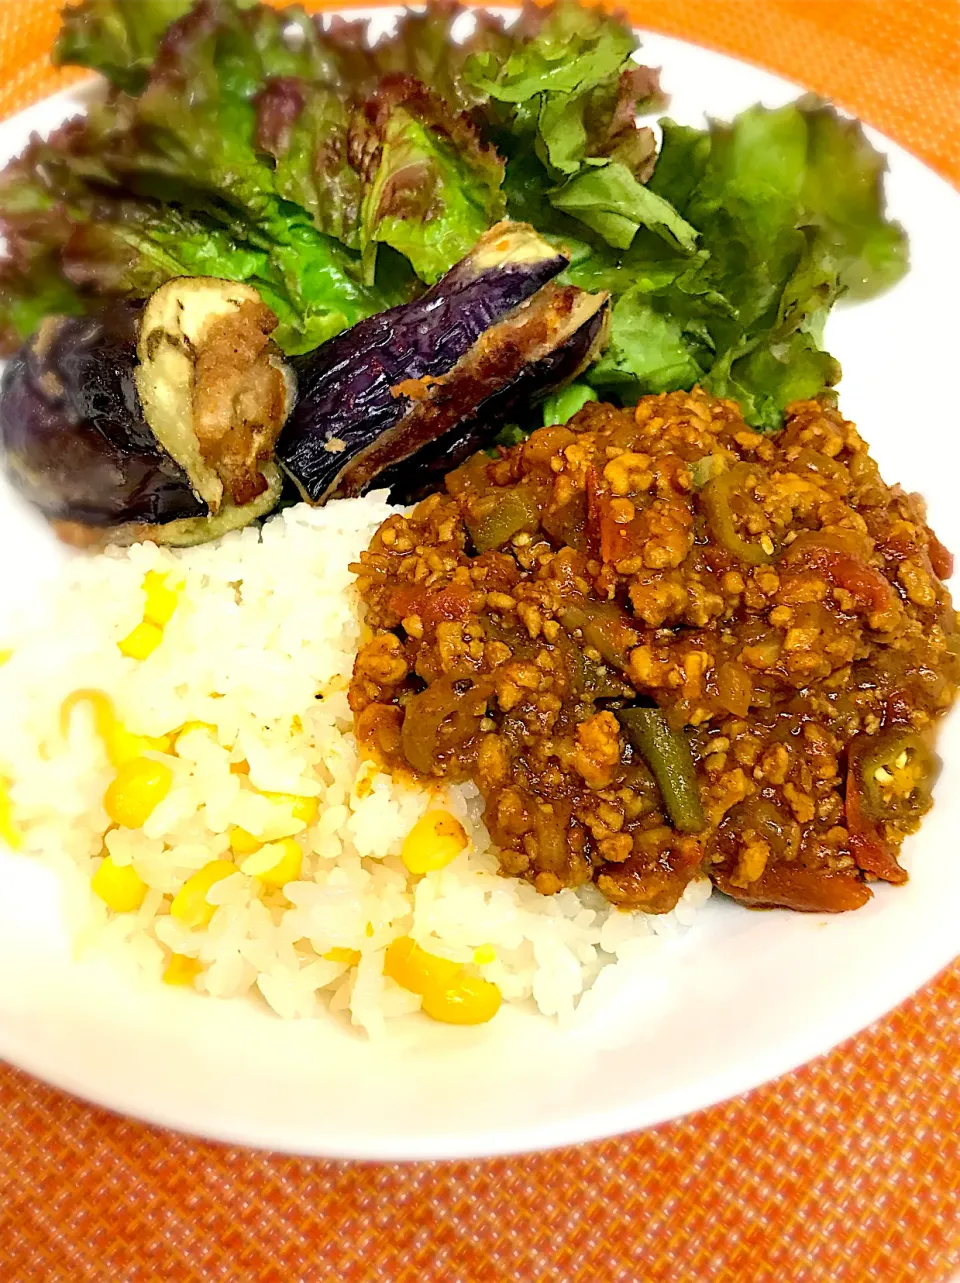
<point x="276" y="863"/>
<point x="188" y="727"/>
<point x="469" y="1001"/>
<point x="484" y="954"/>
<point x="9" y="829"/>
<point x="104" y="717"/>
<point x="306" y="809"/>
<point x="5" y="657"/>
<point x="348" y="956"/>
<point x="303" y="808"/>
<point x="121" y="745"/>
<point x="181" y="970"/>
<point x="161" y="600"/>
<point x="119" y="886"/>
<point x="437" y="838"/>
<point x="242" y="842"/>
<point x="138" y="788"/>
<point x="189" y="905"/>
<point x="141" y="641"/>
<point x="414" y="969"/>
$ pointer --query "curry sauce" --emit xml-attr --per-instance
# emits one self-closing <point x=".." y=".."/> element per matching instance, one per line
<point x="667" y="646"/>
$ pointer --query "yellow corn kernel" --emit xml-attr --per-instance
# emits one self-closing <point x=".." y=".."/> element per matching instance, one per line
<point x="161" y="600"/>
<point x="242" y="842"/>
<point x="414" y="969"/>
<point x="104" y="717"/>
<point x="5" y="657"/>
<point x="188" y="727"/>
<point x="437" y="838"/>
<point x="181" y="970"/>
<point x="119" y="886"/>
<point x="469" y="1001"/>
<point x="306" y="809"/>
<point x="276" y="863"/>
<point x="303" y="808"/>
<point x="138" y="788"/>
<point x="484" y="954"/>
<point x="9" y="829"/>
<point x="141" y="641"/>
<point x="121" y="745"/>
<point x="348" y="956"/>
<point x="189" y="905"/>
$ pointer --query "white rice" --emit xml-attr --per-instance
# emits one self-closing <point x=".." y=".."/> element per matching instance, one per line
<point x="261" y="646"/>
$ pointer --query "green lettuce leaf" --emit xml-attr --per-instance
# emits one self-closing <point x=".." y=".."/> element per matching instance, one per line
<point x="612" y="203"/>
<point x="434" y="187"/>
<point x="566" y="49"/>
<point x="26" y="298"/>
<point x="191" y="138"/>
<point x="422" y="45"/>
<point x="569" y="93"/>
<point x="648" y="351"/>
<point x="118" y="38"/>
<point x="788" y="207"/>
<point x="305" y="128"/>
<point x="71" y="242"/>
<point x="850" y="213"/>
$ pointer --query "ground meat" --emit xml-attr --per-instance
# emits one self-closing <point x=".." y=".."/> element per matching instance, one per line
<point x="239" y="398"/>
<point x="777" y="602"/>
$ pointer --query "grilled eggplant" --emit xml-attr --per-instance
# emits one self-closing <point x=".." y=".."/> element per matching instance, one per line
<point x="575" y="331"/>
<point x="154" y="421"/>
<point x="441" y="373"/>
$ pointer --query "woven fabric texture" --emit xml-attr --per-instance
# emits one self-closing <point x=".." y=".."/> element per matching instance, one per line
<point x="845" y="1172"/>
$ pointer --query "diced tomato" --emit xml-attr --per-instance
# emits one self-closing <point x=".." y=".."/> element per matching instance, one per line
<point x="941" y="558"/>
<point x="844" y="570"/>
<point x="873" y="855"/>
<point x="433" y="607"/>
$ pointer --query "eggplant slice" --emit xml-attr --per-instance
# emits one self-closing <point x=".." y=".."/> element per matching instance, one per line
<point x="213" y="386"/>
<point x="449" y="365"/>
<point x="174" y="444"/>
<point x="572" y="343"/>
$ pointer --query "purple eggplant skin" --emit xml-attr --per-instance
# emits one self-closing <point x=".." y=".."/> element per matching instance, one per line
<point x="346" y="396"/>
<point x="74" y="438"/>
<point x="507" y="356"/>
<point x="423" y="473"/>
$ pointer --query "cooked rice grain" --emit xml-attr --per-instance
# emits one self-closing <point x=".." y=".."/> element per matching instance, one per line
<point x="260" y="648"/>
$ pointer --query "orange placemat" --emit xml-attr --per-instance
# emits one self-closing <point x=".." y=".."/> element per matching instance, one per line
<point x="846" y="1172"/>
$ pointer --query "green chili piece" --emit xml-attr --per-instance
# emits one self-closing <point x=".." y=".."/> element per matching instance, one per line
<point x="501" y="516"/>
<point x="667" y="754"/>
<point x="718" y="496"/>
<point x="897" y="775"/>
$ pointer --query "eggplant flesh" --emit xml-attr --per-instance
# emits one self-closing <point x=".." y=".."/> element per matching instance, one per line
<point x="213" y="386"/>
<point x="362" y="384"/>
<point x="115" y="429"/>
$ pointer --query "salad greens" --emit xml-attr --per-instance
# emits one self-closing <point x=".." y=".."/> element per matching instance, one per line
<point x="341" y="177"/>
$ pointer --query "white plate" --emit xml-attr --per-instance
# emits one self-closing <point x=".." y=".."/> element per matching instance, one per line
<point x="741" y="998"/>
